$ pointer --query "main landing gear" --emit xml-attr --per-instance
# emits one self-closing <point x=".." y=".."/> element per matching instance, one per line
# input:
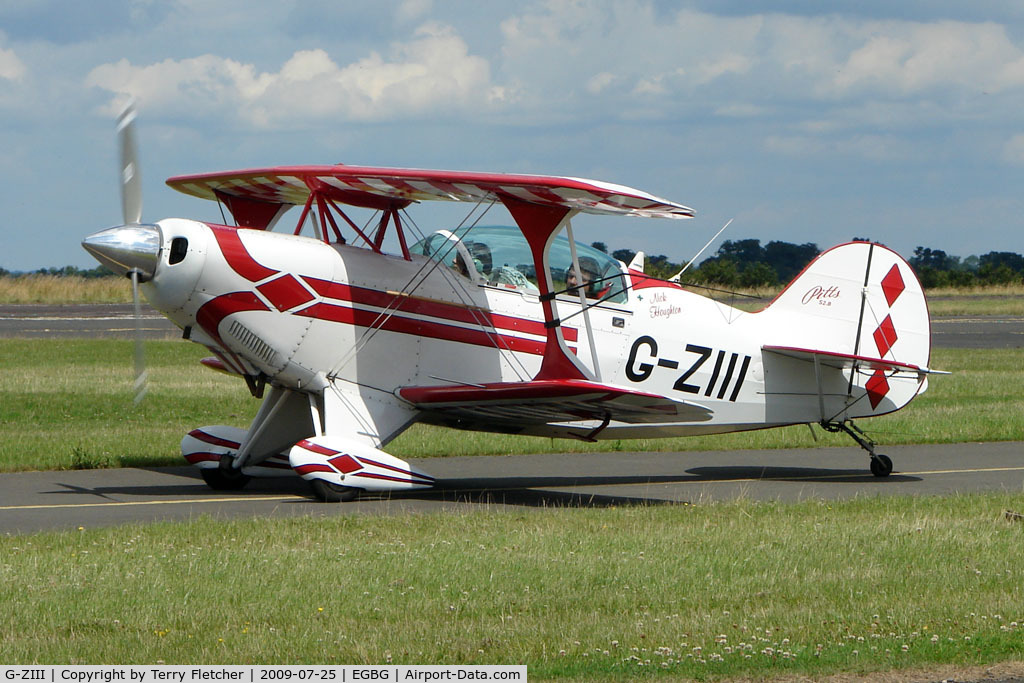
<point x="328" y="492"/>
<point x="227" y="478"/>
<point x="224" y="477"/>
<point x="881" y="465"/>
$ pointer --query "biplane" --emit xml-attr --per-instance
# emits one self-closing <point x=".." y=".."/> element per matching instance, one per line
<point x="514" y="329"/>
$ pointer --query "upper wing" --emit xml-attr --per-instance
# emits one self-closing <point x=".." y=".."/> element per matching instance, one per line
<point x="386" y="187"/>
<point x="549" y="401"/>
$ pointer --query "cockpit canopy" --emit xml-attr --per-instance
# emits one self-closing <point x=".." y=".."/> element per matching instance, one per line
<point x="500" y="256"/>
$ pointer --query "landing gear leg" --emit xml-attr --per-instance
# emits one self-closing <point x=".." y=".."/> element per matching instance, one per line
<point x="225" y="477"/>
<point x="881" y="465"/>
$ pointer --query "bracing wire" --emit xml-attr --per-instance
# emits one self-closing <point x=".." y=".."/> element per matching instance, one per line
<point x="417" y="279"/>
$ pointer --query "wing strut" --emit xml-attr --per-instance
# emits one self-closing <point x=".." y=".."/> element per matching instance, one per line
<point x="584" y="308"/>
<point x="539" y="224"/>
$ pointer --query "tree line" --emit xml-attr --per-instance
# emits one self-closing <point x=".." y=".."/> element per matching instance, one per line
<point x="66" y="271"/>
<point x="749" y="264"/>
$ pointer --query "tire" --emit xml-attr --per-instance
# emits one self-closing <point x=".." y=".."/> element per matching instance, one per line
<point x="881" y="465"/>
<point x="219" y="480"/>
<point x="327" y="492"/>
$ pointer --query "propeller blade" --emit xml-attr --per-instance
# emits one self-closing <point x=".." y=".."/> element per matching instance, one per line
<point x="131" y="179"/>
<point x="141" y="376"/>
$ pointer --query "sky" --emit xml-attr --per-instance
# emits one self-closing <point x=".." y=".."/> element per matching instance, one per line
<point x="804" y="121"/>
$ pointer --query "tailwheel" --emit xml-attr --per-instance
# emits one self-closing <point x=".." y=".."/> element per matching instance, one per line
<point x="881" y="465"/>
<point x="222" y="479"/>
<point x="327" y="492"/>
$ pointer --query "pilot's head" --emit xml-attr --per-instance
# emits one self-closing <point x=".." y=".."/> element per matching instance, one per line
<point x="589" y="273"/>
<point x="481" y="254"/>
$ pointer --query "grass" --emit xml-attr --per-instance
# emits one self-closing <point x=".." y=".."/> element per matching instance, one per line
<point x="83" y="416"/>
<point x="704" y="592"/>
<point x="52" y="289"/>
<point x="988" y="300"/>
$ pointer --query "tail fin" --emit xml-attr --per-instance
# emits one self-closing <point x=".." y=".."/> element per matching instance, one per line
<point x="859" y="314"/>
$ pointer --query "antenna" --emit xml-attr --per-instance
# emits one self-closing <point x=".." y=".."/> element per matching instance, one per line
<point x="675" y="278"/>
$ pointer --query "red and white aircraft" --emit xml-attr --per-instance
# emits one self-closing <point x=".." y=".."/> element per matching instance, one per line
<point x="505" y="329"/>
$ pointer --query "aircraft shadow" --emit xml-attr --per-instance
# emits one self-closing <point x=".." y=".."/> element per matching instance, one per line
<point x="535" y="491"/>
<point x="530" y="494"/>
<point x="477" y="491"/>
<point x="524" y="491"/>
<point x="284" y="485"/>
<point x="795" y="474"/>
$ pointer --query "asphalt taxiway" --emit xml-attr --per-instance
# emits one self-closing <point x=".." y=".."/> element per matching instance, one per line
<point x="36" y="501"/>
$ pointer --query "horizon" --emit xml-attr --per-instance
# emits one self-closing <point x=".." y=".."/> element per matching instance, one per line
<point x="611" y="249"/>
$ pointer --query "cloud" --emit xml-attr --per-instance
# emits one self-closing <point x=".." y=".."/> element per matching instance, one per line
<point x="11" y="68"/>
<point x="905" y="58"/>
<point x="624" y="48"/>
<point x="1013" y="150"/>
<point x="433" y="73"/>
<point x="412" y="10"/>
<point x="560" y="61"/>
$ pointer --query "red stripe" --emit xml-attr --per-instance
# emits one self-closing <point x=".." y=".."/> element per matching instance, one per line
<point x="639" y="280"/>
<point x="232" y="363"/>
<point x="203" y="456"/>
<point x="394" y="323"/>
<point x="384" y="477"/>
<point x="210" y="314"/>
<point x="435" y="309"/>
<point x="194" y="458"/>
<point x="238" y="256"/>
<point x="545" y="195"/>
<point x="383" y="466"/>
<point x="316" y="448"/>
<point x="452" y="189"/>
<point x="243" y="263"/>
<point x="212" y="440"/>
<point x="310" y="469"/>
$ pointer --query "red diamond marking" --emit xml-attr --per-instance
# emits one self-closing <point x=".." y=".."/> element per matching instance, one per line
<point x="885" y="336"/>
<point x="892" y="285"/>
<point x="285" y="292"/>
<point x="345" y="464"/>
<point x="877" y="387"/>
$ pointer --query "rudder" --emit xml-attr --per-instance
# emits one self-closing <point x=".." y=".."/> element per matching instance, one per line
<point x="853" y="307"/>
<point x="861" y="299"/>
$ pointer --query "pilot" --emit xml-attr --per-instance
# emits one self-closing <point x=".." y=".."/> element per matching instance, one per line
<point x="459" y="265"/>
<point x="481" y="254"/>
<point x="589" y="272"/>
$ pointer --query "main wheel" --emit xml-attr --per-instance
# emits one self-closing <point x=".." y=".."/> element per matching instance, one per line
<point x="327" y="492"/>
<point x="881" y="465"/>
<point x="224" y="480"/>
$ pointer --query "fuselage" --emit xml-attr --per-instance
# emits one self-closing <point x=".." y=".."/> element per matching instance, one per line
<point x="295" y="310"/>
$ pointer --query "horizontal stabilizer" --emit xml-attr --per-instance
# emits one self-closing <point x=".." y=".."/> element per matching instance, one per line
<point x="842" y="361"/>
<point x="550" y="401"/>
